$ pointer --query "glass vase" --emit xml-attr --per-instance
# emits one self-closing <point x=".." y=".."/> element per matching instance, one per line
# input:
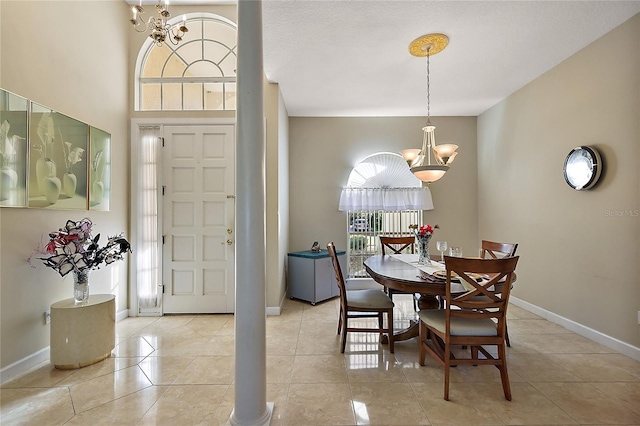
<point x="81" y="286"/>
<point x="423" y="249"/>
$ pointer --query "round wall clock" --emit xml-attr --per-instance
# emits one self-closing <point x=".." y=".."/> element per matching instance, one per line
<point x="582" y="167"/>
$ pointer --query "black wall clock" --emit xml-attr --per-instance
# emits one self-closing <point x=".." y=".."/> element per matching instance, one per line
<point x="582" y="167"/>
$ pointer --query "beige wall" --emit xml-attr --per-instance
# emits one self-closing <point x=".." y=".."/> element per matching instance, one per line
<point x="324" y="150"/>
<point x="283" y="195"/>
<point x="579" y="249"/>
<point x="277" y="182"/>
<point x="82" y="73"/>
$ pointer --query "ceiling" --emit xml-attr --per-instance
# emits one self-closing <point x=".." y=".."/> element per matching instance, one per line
<point x="351" y="58"/>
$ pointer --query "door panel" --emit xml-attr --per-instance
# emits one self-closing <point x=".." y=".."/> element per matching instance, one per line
<point x="198" y="219"/>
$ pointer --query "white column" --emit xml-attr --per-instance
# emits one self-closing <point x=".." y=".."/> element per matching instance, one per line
<point x="251" y="407"/>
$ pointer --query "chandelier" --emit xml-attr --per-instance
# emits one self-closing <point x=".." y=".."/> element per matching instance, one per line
<point x="420" y="160"/>
<point x="159" y="29"/>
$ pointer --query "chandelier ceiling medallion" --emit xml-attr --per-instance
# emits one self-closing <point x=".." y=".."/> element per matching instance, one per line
<point x="159" y="29"/>
<point x="420" y="160"/>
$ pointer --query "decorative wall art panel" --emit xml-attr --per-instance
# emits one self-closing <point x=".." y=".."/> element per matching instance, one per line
<point x="57" y="160"/>
<point x="14" y="113"/>
<point x="99" y="169"/>
<point x="50" y="160"/>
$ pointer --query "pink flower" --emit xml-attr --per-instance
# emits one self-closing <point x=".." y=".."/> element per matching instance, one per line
<point x="424" y="230"/>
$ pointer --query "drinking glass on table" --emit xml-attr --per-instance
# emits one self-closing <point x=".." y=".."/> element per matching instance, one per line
<point x="442" y="247"/>
<point x="455" y="252"/>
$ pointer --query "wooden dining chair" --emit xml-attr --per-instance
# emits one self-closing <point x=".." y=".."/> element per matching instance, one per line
<point x="468" y="320"/>
<point x="357" y="304"/>
<point x="398" y="245"/>
<point x="495" y="250"/>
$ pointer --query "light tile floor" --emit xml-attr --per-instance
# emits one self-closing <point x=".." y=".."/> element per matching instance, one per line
<point x="179" y="370"/>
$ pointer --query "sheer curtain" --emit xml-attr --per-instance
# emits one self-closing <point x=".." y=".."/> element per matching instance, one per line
<point x="383" y="181"/>
<point x="148" y="239"/>
<point x="387" y="199"/>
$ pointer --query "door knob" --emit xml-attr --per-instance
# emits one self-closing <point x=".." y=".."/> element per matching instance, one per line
<point x="228" y="242"/>
<point x="229" y="231"/>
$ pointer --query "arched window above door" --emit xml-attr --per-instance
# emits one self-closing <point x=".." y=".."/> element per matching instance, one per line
<point x="198" y="74"/>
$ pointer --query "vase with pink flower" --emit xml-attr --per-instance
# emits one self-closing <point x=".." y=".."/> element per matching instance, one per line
<point x="423" y="236"/>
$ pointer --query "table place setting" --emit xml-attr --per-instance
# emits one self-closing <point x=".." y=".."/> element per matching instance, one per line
<point x="436" y="271"/>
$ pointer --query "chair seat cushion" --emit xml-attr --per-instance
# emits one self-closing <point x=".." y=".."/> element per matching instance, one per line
<point x="372" y="299"/>
<point x="435" y="318"/>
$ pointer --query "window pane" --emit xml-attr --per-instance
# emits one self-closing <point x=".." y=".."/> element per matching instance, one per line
<point x="155" y="61"/>
<point x="230" y="96"/>
<point x="171" y="96"/>
<point x="229" y="66"/>
<point x="174" y="67"/>
<point x="190" y="52"/>
<point x="203" y="69"/>
<point x="213" y="96"/>
<point x="150" y="96"/>
<point x="214" y="51"/>
<point x="195" y="29"/>
<point x="222" y="32"/>
<point x="365" y="228"/>
<point x="193" y="96"/>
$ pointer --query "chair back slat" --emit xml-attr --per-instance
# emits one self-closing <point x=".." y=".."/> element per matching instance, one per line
<point x="495" y="250"/>
<point x="331" y="248"/>
<point x="397" y="245"/>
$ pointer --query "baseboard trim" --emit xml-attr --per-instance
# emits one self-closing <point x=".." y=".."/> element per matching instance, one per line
<point x="591" y="334"/>
<point x="276" y="310"/>
<point x="24" y="365"/>
<point x="122" y="315"/>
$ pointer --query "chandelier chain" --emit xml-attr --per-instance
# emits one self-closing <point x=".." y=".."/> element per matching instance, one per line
<point x="428" y="87"/>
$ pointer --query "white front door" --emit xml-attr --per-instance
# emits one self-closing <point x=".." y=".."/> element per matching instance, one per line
<point x="198" y="267"/>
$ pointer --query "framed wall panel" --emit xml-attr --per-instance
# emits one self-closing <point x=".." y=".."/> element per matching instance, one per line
<point x="99" y="169"/>
<point x="58" y="169"/>
<point x="14" y="114"/>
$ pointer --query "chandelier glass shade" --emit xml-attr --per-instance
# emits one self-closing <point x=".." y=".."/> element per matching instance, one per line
<point x="159" y="29"/>
<point x="432" y="161"/>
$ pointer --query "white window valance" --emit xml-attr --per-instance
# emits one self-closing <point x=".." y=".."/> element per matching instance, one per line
<point x="383" y="181"/>
<point x="390" y="199"/>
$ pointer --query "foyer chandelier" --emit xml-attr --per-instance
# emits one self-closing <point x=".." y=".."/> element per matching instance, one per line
<point x="159" y="29"/>
<point x="420" y="160"/>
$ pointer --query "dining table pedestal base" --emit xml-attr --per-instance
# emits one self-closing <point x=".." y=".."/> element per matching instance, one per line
<point x="426" y="301"/>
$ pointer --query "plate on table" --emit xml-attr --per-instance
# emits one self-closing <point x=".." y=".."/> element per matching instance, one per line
<point x="442" y="275"/>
